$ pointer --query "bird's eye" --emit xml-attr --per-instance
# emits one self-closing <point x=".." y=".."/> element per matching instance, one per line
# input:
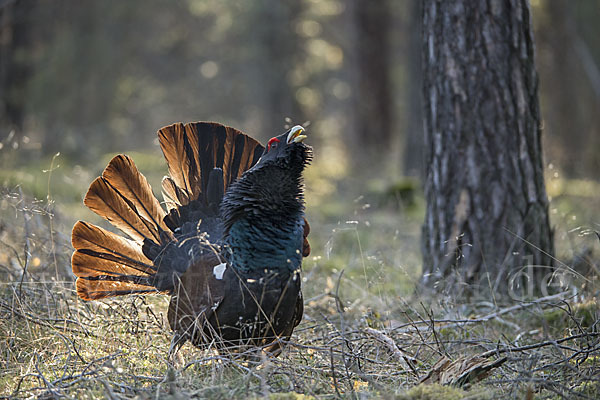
<point x="272" y="144"/>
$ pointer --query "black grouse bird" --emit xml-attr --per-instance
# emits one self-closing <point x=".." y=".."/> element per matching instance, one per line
<point x="229" y="250"/>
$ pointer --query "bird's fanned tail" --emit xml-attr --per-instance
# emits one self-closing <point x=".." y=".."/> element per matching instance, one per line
<point x="105" y="263"/>
<point x="193" y="150"/>
<point x="204" y="159"/>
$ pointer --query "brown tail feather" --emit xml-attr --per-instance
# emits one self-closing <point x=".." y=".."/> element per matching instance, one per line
<point x="173" y="195"/>
<point x="123" y="175"/>
<point x="305" y="244"/>
<point x="244" y="154"/>
<point x="124" y="198"/>
<point x="107" y="264"/>
<point x="89" y="289"/>
<point x="177" y="151"/>
<point x="93" y="240"/>
<point x="195" y="149"/>
<point x="90" y="264"/>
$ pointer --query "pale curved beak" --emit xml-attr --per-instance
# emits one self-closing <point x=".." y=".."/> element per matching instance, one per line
<point x="296" y="134"/>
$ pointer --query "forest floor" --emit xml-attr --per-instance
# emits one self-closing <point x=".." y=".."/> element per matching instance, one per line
<point x="368" y="331"/>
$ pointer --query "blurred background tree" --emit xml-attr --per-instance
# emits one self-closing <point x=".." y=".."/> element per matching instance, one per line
<point x="373" y="99"/>
<point x="88" y="79"/>
<point x="568" y="48"/>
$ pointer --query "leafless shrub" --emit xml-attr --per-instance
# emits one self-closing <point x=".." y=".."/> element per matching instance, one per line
<point x="55" y="345"/>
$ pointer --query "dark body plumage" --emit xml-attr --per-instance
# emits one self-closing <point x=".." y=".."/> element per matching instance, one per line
<point x="229" y="251"/>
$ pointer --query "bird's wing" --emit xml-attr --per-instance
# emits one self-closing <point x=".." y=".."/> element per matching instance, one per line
<point x="305" y="244"/>
<point x="198" y="292"/>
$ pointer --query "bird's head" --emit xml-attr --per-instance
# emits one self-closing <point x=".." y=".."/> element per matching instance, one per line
<point x="286" y="151"/>
<point x="272" y="190"/>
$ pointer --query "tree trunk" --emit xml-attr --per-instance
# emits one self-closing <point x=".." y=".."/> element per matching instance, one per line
<point x="278" y="52"/>
<point x="373" y="99"/>
<point x="487" y="209"/>
<point x="413" y="144"/>
<point x="15" y="37"/>
<point x="570" y="89"/>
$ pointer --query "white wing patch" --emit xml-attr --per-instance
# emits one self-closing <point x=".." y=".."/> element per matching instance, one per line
<point x="219" y="270"/>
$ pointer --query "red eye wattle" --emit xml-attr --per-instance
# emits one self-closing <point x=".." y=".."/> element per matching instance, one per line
<point x="270" y="143"/>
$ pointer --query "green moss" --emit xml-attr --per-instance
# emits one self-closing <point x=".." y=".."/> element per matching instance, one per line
<point x="589" y="389"/>
<point x="289" y="396"/>
<point x="582" y="314"/>
<point x="439" y="392"/>
<point x="587" y="313"/>
<point x="433" y="392"/>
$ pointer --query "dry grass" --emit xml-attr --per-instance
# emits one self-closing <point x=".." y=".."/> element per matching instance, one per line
<point x="365" y="334"/>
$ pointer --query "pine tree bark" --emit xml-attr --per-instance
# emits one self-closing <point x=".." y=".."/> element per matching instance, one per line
<point x="487" y="209"/>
